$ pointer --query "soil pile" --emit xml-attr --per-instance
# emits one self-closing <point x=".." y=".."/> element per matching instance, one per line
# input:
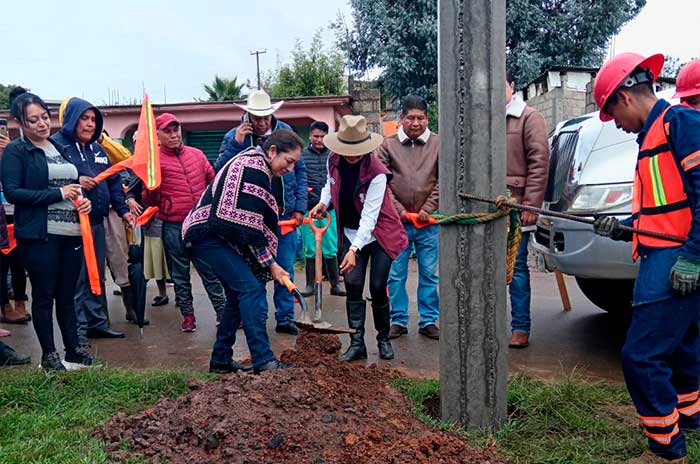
<point x="322" y="411"/>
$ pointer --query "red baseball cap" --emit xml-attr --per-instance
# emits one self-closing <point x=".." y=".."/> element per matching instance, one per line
<point x="165" y="119"/>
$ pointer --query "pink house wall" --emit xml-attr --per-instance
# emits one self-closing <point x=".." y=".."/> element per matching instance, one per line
<point x="121" y="121"/>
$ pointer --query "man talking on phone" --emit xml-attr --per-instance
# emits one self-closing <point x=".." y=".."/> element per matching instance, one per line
<point x="290" y="191"/>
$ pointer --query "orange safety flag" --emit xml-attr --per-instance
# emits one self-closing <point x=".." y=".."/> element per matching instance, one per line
<point x="417" y="224"/>
<point x="89" y="252"/>
<point x="146" y="216"/>
<point x="146" y="160"/>
<point x="11" y="240"/>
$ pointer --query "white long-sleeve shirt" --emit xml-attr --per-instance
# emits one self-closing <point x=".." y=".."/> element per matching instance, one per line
<point x="364" y="235"/>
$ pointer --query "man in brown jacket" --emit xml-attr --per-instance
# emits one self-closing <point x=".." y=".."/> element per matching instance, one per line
<point x="412" y="157"/>
<point x="527" y="171"/>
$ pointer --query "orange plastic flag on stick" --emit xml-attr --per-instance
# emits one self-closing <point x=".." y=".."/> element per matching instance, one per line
<point x="89" y="252"/>
<point x="10" y="239"/>
<point x="146" y="215"/>
<point x="146" y="160"/>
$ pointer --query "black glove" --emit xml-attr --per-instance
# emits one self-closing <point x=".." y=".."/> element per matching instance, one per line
<point x="609" y="226"/>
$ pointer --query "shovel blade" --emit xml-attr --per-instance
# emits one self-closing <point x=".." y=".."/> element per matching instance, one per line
<point x="323" y="327"/>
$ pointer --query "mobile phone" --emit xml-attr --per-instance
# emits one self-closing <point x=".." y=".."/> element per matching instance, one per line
<point x="3" y="127"/>
<point x="246" y="118"/>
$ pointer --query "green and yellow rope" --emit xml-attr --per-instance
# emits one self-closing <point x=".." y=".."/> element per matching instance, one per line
<point x="514" y="230"/>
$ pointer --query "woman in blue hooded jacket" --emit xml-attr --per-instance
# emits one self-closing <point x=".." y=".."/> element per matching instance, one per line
<point x="82" y="127"/>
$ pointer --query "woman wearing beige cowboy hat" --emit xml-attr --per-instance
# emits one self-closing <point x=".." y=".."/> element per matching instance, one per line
<point x="369" y="228"/>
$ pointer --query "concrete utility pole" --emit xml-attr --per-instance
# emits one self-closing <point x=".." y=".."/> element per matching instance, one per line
<point x="257" y="54"/>
<point x="473" y="344"/>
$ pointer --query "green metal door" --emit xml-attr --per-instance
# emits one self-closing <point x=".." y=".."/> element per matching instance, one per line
<point x="207" y="141"/>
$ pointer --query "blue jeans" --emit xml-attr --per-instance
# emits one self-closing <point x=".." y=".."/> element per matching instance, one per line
<point x="90" y="309"/>
<point x="426" y="242"/>
<point x="520" y="290"/>
<point x="246" y="301"/>
<point x="284" y="301"/>
<point x="299" y="254"/>
<point x="178" y="260"/>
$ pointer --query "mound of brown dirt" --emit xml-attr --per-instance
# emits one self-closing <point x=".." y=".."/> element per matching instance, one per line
<point x="323" y="411"/>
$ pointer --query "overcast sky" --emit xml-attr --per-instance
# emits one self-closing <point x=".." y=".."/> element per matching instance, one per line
<point x="170" y="47"/>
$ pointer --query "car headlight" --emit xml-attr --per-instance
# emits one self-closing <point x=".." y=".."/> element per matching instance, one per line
<point x="602" y="198"/>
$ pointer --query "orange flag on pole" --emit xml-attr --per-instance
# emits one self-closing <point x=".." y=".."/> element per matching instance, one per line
<point x="146" y="160"/>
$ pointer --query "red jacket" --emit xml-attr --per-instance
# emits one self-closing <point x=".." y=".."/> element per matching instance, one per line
<point x="185" y="174"/>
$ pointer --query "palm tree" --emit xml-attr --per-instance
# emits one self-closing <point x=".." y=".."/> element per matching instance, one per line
<point x="223" y="89"/>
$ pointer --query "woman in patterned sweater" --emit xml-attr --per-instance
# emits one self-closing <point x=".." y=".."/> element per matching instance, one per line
<point x="233" y="228"/>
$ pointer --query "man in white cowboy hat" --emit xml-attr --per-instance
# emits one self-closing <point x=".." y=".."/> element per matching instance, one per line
<point x="257" y="123"/>
<point x="290" y="191"/>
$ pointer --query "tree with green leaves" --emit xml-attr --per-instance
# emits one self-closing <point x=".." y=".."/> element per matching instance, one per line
<point x="400" y="38"/>
<point x="672" y="65"/>
<point x="223" y="89"/>
<point x="5" y="95"/>
<point x="314" y="71"/>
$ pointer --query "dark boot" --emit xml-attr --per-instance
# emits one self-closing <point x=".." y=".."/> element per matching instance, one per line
<point x="310" y="269"/>
<point x="332" y="267"/>
<point x="356" y="320"/>
<point x="129" y="300"/>
<point x="382" y="324"/>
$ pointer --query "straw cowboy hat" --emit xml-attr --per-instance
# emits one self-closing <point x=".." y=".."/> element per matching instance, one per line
<point x="259" y="104"/>
<point x="353" y="138"/>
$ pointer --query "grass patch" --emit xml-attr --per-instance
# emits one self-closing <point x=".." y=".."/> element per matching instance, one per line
<point x="49" y="419"/>
<point x="564" y="422"/>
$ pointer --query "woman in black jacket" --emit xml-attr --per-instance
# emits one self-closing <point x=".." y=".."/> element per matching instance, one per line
<point x="42" y="184"/>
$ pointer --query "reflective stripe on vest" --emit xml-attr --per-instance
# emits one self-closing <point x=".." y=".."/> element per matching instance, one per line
<point x="659" y="201"/>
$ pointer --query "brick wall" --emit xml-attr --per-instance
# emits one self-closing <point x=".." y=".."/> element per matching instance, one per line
<point x="366" y="102"/>
<point x="559" y="105"/>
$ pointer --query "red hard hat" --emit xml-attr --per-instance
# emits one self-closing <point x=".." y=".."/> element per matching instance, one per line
<point x="688" y="80"/>
<point x="614" y="73"/>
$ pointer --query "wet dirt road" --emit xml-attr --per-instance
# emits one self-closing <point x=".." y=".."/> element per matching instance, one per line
<point x="585" y="340"/>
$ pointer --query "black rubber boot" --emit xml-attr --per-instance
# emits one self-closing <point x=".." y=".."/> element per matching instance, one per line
<point x="332" y="267"/>
<point x="382" y="324"/>
<point x="356" y="320"/>
<point x="310" y="270"/>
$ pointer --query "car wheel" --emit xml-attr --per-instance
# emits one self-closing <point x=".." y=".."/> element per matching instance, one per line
<point x="613" y="296"/>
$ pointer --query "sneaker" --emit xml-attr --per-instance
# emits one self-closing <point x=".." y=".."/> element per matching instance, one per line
<point x="395" y="331"/>
<point x="9" y="357"/>
<point x="189" y="323"/>
<point x="272" y="365"/>
<point x="220" y="368"/>
<point x="287" y="328"/>
<point x="51" y="362"/>
<point x="80" y="358"/>
<point x="242" y="366"/>
<point x="430" y="331"/>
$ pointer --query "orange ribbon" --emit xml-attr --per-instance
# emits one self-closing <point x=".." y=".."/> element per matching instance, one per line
<point x="419" y="225"/>
<point x="11" y="240"/>
<point x="146" y="216"/>
<point x="89" y="252"/>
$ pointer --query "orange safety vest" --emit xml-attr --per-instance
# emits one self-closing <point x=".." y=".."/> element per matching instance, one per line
<point x="659" y="201"/>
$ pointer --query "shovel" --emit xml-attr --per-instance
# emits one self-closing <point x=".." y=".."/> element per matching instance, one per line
<point x="305" y="322"/>
<point x="318" y="277"/>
